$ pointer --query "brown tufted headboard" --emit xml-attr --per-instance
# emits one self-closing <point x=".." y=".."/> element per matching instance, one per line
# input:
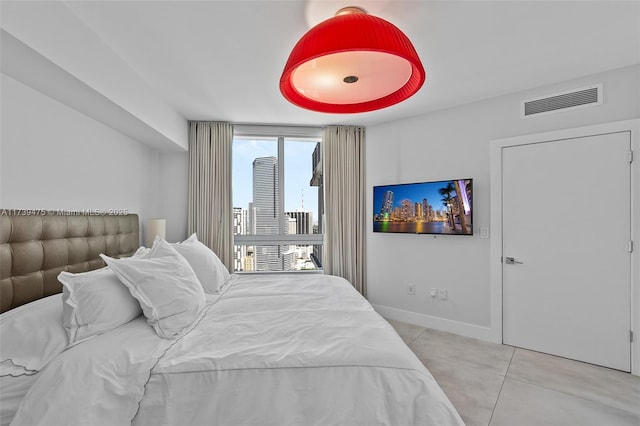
<point x="36" y="245"/>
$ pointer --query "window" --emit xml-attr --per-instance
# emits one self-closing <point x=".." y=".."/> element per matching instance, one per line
<point x="277" y="198"/>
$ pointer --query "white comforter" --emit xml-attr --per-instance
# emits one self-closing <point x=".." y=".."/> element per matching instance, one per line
<point x="272" y="350"/>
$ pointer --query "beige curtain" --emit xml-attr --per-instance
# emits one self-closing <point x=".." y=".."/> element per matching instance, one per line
<point x="210" y="199"/>
<point x="344" y="189"/>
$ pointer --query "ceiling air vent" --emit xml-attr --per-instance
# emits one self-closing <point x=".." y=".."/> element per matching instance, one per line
<point x="565" y="101"/>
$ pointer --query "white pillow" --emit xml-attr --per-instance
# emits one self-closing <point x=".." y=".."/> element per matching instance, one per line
<point x="211" y="272"/>
<point x="142" y="252"/>
<point x="31" y="336"/>
<point x="166" y="287"/>
<point x="95" y="302"/>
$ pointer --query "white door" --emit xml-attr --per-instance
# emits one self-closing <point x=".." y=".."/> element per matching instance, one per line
<point x="567" y="219"/>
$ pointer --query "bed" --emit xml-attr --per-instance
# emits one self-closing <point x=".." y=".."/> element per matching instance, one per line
<point x="239" y="349"/>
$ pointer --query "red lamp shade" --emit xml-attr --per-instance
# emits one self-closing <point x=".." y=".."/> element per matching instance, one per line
<point x="352" y="62"/>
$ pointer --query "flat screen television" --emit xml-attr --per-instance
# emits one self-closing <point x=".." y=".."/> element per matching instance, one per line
<point x="439" y="207"/>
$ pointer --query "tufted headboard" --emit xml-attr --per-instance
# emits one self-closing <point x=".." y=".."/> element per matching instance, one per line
<point x="36" y="245"/>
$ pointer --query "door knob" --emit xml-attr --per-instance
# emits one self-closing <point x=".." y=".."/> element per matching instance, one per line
<point x="511" y="261"/>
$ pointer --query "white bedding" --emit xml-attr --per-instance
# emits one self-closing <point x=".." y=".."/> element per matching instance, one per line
<point x="12" y="390"/>
<point x="271" y="350"/>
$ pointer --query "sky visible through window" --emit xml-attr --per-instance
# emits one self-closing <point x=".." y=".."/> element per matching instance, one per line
<point x="297" y="172"/>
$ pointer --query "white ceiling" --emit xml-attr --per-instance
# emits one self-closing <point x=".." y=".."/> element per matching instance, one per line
<point x="222" y="60"/>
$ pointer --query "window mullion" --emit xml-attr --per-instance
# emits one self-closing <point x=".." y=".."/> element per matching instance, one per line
<point x="281" y="222"/>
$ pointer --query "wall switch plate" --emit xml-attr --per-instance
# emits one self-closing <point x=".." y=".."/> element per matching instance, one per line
<point x="411" y="288"/>
<point x="484" y="232"/>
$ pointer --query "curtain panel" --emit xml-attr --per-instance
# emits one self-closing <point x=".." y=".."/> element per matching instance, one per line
<point x="210" y="200"/>
<point x="344" y="187"/>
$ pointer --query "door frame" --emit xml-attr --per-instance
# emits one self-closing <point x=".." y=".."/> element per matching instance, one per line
<point x="495" y="167"/>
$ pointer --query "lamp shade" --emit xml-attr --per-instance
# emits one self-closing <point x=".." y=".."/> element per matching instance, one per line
<point x="155" y="227"/>
<point x="353" y="62"/>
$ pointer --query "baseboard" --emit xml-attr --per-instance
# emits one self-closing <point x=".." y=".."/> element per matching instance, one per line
<point x="442" y="324"/>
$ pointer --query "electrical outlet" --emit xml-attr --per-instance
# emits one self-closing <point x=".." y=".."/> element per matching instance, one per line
<point x="411" y="288"/>
<point x="442" y="294"/>
<point x="433" y="292"/>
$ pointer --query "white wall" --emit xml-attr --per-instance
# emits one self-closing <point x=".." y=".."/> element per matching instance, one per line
<point x="174" y="194"/>
<point x="53" y="157"/>
<point x="451" y="144"/>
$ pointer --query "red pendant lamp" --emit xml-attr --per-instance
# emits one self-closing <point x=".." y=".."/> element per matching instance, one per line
<point x="353" y="62"/>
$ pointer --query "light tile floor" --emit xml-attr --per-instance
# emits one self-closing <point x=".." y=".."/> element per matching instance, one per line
<point x="492" y="384"/>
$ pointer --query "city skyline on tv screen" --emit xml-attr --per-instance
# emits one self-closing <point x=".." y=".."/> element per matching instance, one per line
<point x="440" y="207"/>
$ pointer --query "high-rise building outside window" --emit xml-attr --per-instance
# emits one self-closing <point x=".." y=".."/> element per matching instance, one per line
<point x="277" y="198"/>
